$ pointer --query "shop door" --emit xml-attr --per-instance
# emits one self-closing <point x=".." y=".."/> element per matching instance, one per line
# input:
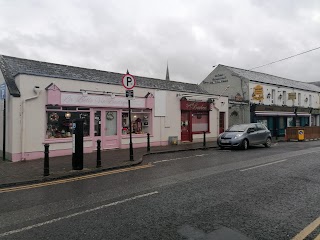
<point x="221" y="122"/>
<point x="111" y="136"/>
<point x="106" y="129"/>
<point x="185" y="127"/>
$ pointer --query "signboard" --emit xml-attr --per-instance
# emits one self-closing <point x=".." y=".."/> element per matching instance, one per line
<point x="129" y="94"/>
<point x="257" y="93"/>
<point x="3" y="89"/>
<point x="292" y="96"/>
<point x="75" y="99"/>
<point x="194" y="106"/>
<point x="128" y="81"/>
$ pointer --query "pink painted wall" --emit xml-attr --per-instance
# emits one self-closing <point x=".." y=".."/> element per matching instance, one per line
<point x="54" y="95"/>
<point x="64" y="152"/>
<point x="54" y="153"/>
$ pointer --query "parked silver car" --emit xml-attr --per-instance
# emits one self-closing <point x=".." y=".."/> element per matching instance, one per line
<point x="243" y="135"/>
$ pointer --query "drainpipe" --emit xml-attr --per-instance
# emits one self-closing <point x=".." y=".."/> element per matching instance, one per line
<point x="218" y="124"/>
<point x="37" y="91"/>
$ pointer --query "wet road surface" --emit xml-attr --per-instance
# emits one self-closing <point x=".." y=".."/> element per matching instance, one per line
<point x="215" y="194"/>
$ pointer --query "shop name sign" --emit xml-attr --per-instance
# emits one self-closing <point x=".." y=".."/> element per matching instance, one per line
<point x="99" y="101"/>
<point x="292" y="96"/>
<point x="194" y="106"/>
<point x="219" y="78"/>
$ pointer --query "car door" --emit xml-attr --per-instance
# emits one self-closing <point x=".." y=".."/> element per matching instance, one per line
<point x="261" y="133"/>
<point x="251" y="134"/>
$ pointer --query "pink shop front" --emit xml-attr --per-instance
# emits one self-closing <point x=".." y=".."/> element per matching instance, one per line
<point x="106" y="117"/>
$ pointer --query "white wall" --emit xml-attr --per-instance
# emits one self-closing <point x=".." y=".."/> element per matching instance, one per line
<point x="35" y="113"/>
<point x="267" y="88"/>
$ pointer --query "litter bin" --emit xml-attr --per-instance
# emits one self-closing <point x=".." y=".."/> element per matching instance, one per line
<point x="301" y="135"/>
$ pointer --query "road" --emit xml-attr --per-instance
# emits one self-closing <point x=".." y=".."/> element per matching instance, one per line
<point x="214" y="194"/>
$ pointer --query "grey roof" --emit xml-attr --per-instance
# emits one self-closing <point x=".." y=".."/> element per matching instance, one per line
<point x="9" y="78"/>
<point x="270" y="79"/>
<point x="12" y="66"/>
<point x="316" y="83"/>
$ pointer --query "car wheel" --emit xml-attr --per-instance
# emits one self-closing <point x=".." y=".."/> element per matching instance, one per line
<point x="268" y="143"/>
<point x="245" y="144"/>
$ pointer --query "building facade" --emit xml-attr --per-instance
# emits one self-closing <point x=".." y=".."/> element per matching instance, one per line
<point x="44" y="98"/>
<point x="258" y="97"/>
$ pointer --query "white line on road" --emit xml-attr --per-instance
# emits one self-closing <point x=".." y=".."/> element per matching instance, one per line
<point x="173" y="159"/>
<point x="262" y="165"/>
<point x="76" y="214"/>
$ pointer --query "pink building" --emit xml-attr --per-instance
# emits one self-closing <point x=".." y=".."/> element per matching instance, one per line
<point x="43" y="98"/>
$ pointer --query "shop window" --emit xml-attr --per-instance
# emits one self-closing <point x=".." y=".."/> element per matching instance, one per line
<point x="263" y="121"/>
<point x="59" y="123"/>
<point x="140" y="121"/>
<point x="281" y="123"/>
<point x="290" y="122"/>
<point x="200" y="122"/>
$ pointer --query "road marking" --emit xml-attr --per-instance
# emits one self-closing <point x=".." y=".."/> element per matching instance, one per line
<point x="77" y="214"/>
<point x="262" y="165"/>
<point x="174" y="159"/>
<point x="307" y="230"/>
<point x="44" y="184"/>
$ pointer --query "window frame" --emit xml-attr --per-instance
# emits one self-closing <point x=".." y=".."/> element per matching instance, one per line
<point x="207" y="113"/>
<point x="49" y="109"/>
<point x="137" y="111"/>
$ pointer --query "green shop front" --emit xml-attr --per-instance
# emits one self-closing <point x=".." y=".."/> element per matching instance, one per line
<point x="278" y="118"/>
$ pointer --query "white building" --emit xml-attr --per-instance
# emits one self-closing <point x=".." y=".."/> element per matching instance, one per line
<point x="43" y="98"/>
<point x="259" y="97"/>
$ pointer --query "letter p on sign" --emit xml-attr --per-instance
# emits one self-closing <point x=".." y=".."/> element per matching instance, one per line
<point x="128" y="81"/>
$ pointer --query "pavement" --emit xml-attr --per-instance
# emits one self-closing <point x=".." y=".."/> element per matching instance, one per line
<point x="262" y="193"/>
<point x="31" y="171"/>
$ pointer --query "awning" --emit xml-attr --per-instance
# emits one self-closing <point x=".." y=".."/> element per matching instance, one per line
<point x="274" y="113"/>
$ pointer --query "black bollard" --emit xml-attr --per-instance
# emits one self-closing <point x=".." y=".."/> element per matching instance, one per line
<point x="98" y="153"/>
<point x="46" y="160"/>
<point x="204" y="140"/>
<point x="148" y="142"/>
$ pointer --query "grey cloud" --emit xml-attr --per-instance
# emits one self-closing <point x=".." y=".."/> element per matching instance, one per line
<point x="192" y="36"/>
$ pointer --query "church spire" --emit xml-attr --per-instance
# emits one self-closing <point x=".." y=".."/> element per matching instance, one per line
<point x="167" y="74"/>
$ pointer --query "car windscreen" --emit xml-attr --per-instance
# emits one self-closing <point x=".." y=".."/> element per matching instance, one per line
<point x="237" y="128"/>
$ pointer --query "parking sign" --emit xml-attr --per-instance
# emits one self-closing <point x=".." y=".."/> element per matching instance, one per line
<point x="128" y="81"/>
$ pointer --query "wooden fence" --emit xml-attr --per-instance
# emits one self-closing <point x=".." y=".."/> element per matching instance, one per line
<point x="292" y="133"/>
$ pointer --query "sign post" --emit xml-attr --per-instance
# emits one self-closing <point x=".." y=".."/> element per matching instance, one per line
<point x="128" y="81"/>
<point x="3" y="89"/>
<point x="77" y="144"/>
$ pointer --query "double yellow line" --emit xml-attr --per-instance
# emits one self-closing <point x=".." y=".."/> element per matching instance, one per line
<point x="44" y="184"/>
<point x="307" y="230"/>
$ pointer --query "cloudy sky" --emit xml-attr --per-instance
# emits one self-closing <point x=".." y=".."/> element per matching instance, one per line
<point x="142" y="35"/>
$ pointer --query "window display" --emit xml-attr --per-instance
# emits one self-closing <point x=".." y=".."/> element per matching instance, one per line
<point x="200" y="122"/>
<point x="139" y="121"/>
<point x="59" y="123"/>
